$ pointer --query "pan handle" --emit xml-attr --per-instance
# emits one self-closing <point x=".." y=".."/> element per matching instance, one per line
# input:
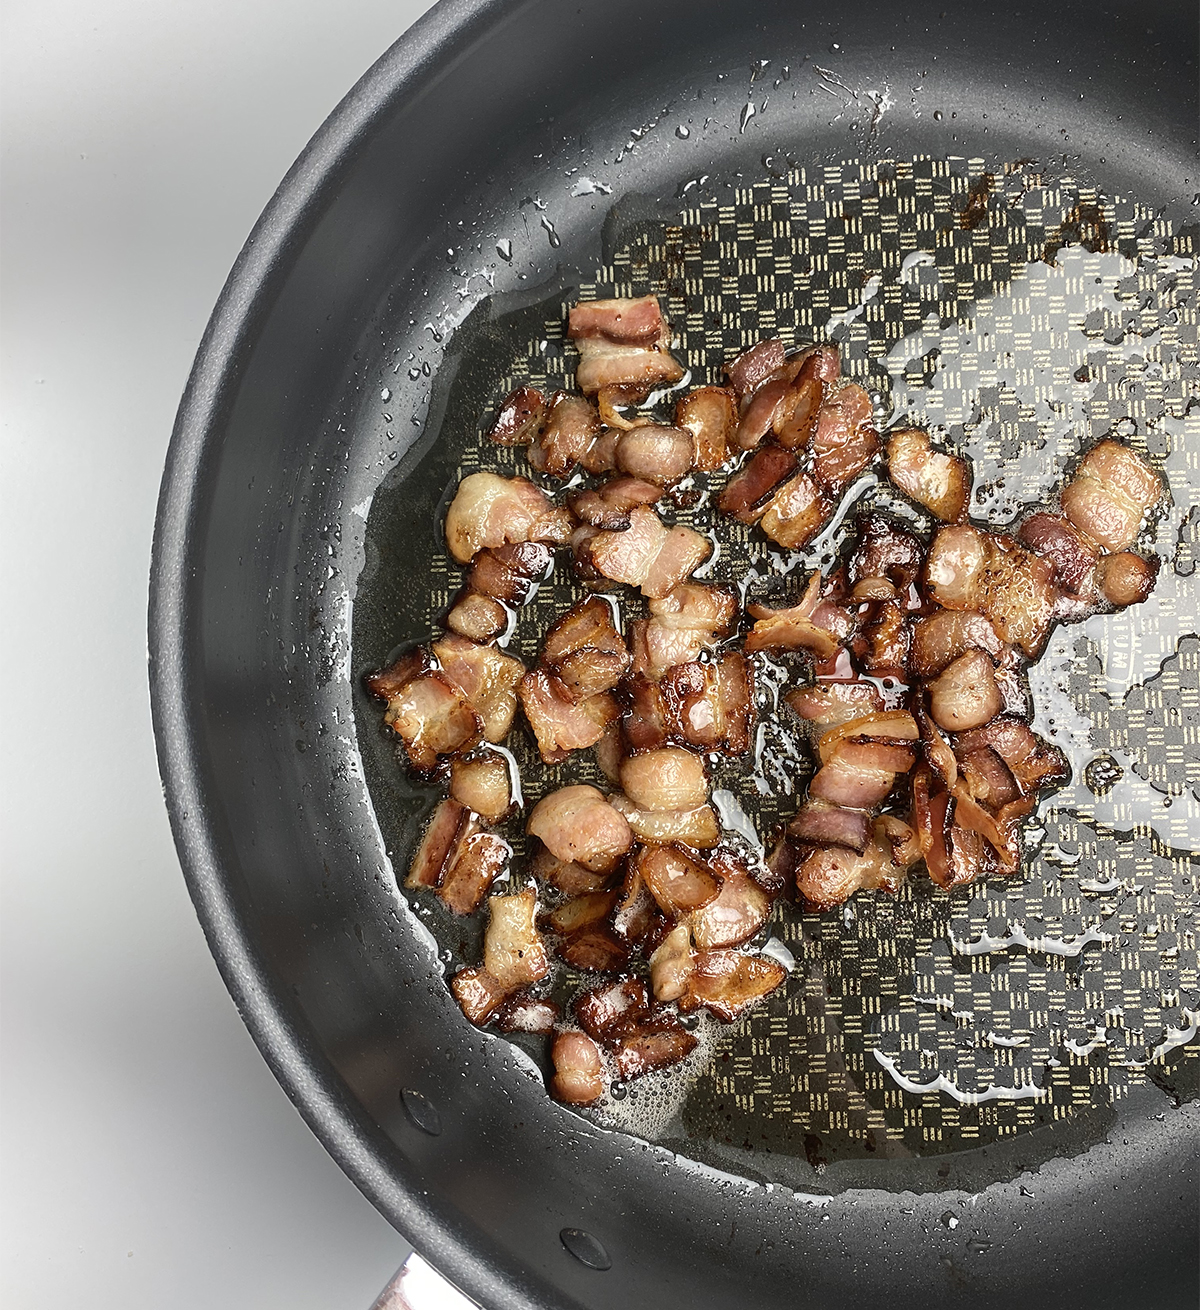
<point x="419" y="1286"/>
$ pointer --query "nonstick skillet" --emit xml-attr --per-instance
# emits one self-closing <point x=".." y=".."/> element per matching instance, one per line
<point x="498" y="159"/>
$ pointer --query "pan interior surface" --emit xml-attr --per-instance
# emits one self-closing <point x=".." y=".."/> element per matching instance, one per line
<point x="760" y="170"/>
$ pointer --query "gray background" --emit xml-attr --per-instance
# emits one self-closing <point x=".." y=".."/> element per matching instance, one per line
<point x="149" y="1158"/>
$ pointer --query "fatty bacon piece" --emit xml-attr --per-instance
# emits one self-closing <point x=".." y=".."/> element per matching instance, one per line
<point x="457" y="858"/>
<point x="584" y="650"/>
<point x="499" y="578"/>
<point x="487" y="678"/>
<point x="608" y="506"/>
<point x="690" y="619"/>
<point x="1110" y="495"/>
<point x="560" y="723"/>
<point x="578" y="825"/>
<point x="939" y="482"/>
<point x="829" y="875"/>
<point x="728" y="983"/>
<point x="816" y="624"/>
<point x="638" y="1037"/>
<point x="578" y="1069"/>
<point x="565" y="437"/>
<point x="425" y="709"/>
<point x="624" y="349"/>
<point x="646" y="554"/>
<point x="489" y="511"/>
<point x="710" y="414"/>
<point x="482" y="783"/>
<point x="709" y="707"/>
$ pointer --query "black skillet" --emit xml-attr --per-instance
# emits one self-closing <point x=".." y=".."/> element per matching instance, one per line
<point x="279" y="447"/>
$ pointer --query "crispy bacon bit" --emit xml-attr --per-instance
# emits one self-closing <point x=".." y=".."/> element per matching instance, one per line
<point x="759" y="412"/>
<point x="697" y="828"/>
<point x="585" y="651"/>
<point x="449" y="823"/>
<point x="689" y="619"/>
<point x="944" y="636"/>
<point x="728" y="983"/>
<point x="678" y="881"/>
<point x="845" y="440"/>
<point x="578" y="824"/>
<point x="738" y="912"/>
<point x="601" y="1010"/>
<point x="528" y="1014"/>
<point x="513" y="952"/>
<point x="478" y="993"/>
<point x="795" y="513"/>
<point x="671" y="964"/>
<point x="965" y="695"/>
<point x="482" y="784"/>
<point x="829" y="704"/>
<point x="578" y="1069"/>
<point x="884" y="550"/>
<point x="386" y="683"/>
<point x="432" y="717"/>
<point x="1064" y="547"/>
<point x="682" y="553"/>
<point x="559" y="724"/>
<point x="887" y="726"/>
<point x="707" y="706"/>
<point x="624" y="344"/>
<point x="477" y="618"/>
<point x="608" y="506"/>
<point x="490" y="511"/>
<point x="1126" y="579"/>
<point x="819" y="823"/>
<point x="655" y="453"/>
<point x="746" y="494"/>
<point x="654" y="1043"/>
<point x="519" y="418"/>
<point x="752" y="367"/>
<point x="477" y="862"/>
<point x="666" y="779"/>
<point x="940" y="482"/>
<point x="487" y="678"/>
<point x="510" y="573"/>
<point x="710" y="415"/>
<point x="646" y="554"/>
<point x="570" y="427"/>
<point x="1111" y="493"/>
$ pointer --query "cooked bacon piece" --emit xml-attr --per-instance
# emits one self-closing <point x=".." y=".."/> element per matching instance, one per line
<point x="513" y="951"/>
<point x="601" y="1010"/>
<point x="1033" y="763"/>
<point x="636" y="916"/>
<point x="602" y="454"/>
<point x="795" y="416"/>
<point x="1068" y="551"/>
<point x="559" y="724"/>
<point x="578" y="1069"/>
<point x="1111" y="493"/>
<point x="477" y="862"/>
<point x="676" y="880"/>
<point x="582" y="911"/>
<point x="647" y="722"/>
<point x="797" y="627"/>
<point x="608" y="505"/>
<point x="1126" y="579"/>
<point x="689" y="619"/>
<point x="988" y="778"/>
<point x="666" y="779"/>
<point x="477" y="618"/>
<point x="829" y="876"/>
<point x="818" y="823"/>
<point x="844" y="441"/>
<point x="570" y="427"/>
<point x="566" y="875"/>
<point x="753" y="367"/>
<point x="656" y="453"/>
<point x="885" y="725"/>
<point x="738" y="912"/>
<point x="828" y="704"/>
<point x="883" y="549"/>
<point x="682" y="553"/>
<point x="728" y="983"/>
<point x="577" y="824"/>
<point x="746" y="494"/>
<point x="671" y="964"/>
<point x="519" y="418"/>
<point x="490" y="511"/>
<point x="860" y="776"/>
<point x="622" y="344"/>
<point x="706" y="706"/>
<point x="528" y="1014"/>
<point x="965" y="695"/>
<point x="942" y="637"/>
<point x="759" y="411"/>
<point x="597" y="948"/>
<point x="940" y="482"/>
<point x="386" y="683"/>
<point x="881" y="644"/>
<point x="653" y="1043"/>
<point x="796" y="513"/>
<point x="449" y="823"/>
<point x="968" y="569"/>
<point x="482" y="783"/>
<point x="585" y="651"/>
<point x="479" y="994"/>
<point x="697" y="828"/>
<point x="488" y="679"/>
<point x="510" y="573"/>
<point x="710" y="415"/>
<point x="432" y="717"/>
<point x="646" y="554"/>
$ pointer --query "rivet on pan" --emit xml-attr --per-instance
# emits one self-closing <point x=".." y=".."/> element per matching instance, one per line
<point x="422" y="1111"/>
<point x="584" y="1247"/>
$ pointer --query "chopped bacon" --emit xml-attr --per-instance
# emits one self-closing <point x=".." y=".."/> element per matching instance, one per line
<point x="601" y="1010"/>
<point x="883" y="549"/>
<point x="528" y="1014"/>
<point x="478" y="993"/>
<point x="654" y="1043"/>
<point x="697" y="828"/>
<point x="671" y="964"/>
<point x="1111" y="493"/>
<point x="582" y="911"/>
<point x="738" y="911"/>
<point x="570" y="427"/>
<point x="665" y="779"/>
<point x="388" y="682"/>
<point x="610" y="751"/>
<point x="482" y="783"/>
<point x="487" y="678"/>
<point x="682" y="553"/>
<point x="830" y="875"/>
<point x="818" y="823"/>
<point x="678" y="881"/>
<point x="747" y="493"/>
<point x="608" y="505"/>
<point x="646" y="554"/>
<point x="450" y="821"/>
<point x="706" y="706"/>
<point x="943" y="637"/>
<point x="577" y="824"/>
<point x="510" y="573"/>
<point x="559" y="724"/>
<point x="752" y="367"/>
<point x="655" y="453"/>
<point x="636" y="917"/>
<point x="602" y="455"/>
<point x="585" y="651"/>
<point x="578" y="1069"/>
<point x="965" y="694"/>
<point x="793" y="628"/>
<point x="597" y="948"/>
<point x="477" y="618"/>
<point x="622" y="344"/>
<point x="710" y="415"/>
<point x="759" y="411"/>
<point x="940" y="482"/>
<point x="519" y="418"/>
<point x="476" y="863"/>
<point x="796" y="513"/>
<point x="513" y="951"/>
<point x="860" y="778"/>
<point x="828" y="704"/>
<point x="885" y="725"/>
<point x="845" y="440"/>
<point x="689" y="619"/>
<point x="432" y="717"/>
<point x="1126" y="579"/>
<point x="489" y="511"/>
<point x="1033" y="763"/>
<point x="566" y="875"/>
<point x="729" y="983"/>
<point x="1064" y="547"/>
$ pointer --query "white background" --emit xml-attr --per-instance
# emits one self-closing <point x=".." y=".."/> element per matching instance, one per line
<point x="149" y="1158"/>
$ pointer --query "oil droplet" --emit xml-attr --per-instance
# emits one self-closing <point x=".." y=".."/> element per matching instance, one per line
<point x="950" y="1220"/>
<point x="504" y="249"/>
<point x="1102" y="774"/>
<point x="682" y="132"/>
<point x="937" y="115"/>
<point x="385" y="394"/>
<point x="555" y="239"/>
<point x="748" y="112"/>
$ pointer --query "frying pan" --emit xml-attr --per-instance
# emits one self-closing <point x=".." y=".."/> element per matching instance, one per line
<point x="412" y="253"/>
